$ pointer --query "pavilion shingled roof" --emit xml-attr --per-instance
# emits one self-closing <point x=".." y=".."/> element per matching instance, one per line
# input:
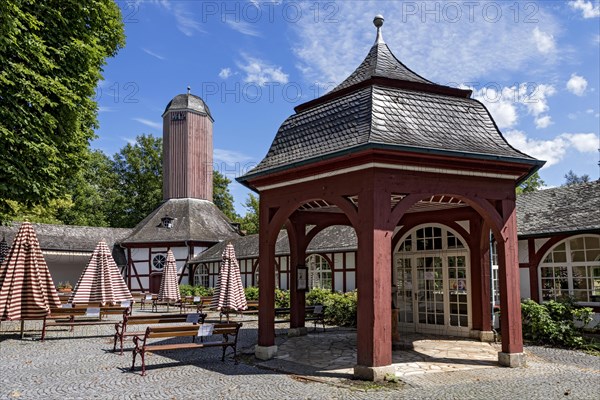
<point x="385" y="105"/>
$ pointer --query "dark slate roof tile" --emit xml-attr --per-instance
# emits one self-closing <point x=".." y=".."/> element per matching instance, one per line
<point x="71" y="238"/>
<point x="188" y="102"/>
<point x="574" y="208"/>
<point x="331" y="239"/>
<point x="392" y="117"/>
<point x="195" y="219"/>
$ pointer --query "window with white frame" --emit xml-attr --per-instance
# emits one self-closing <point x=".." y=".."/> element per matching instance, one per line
<point x="319" y="272"/>
<point x="201" y="275"/>
<point x="495" y="281"/>
<point x="572" y="268"/>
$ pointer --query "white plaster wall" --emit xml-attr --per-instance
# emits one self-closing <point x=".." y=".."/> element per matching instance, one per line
<point x="283" y="264"/>
<point x="179" y="252"/>
<point x="350" y="261"/>
<point x="139" y="254"/>
<point x="539" y="243"/>
<point x="350" y="281"/>
<point x="465" y="225"/>
<point x="523" y="251"/>
<point x="338" y="261"/>
<point x="339" y="281"/>
<point x="142" y="267"/>
<point x="525" y="283"/>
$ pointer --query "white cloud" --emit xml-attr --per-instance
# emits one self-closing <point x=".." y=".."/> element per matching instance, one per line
<point x="551" y="151"/>
<point x="504" y="103"/>
<point x="147" y="122"/>
<point x="184" y="18"/>
<point x="543" y="41"/>
<point x="153" y="54"/>
<point x="577" y="85"/>
<point x="129" y="140"/>
<point x="244" y="27"/>
<point x="535" y="97"/>
<point x="543" y="121"/>
<point x="260" y="73"/>
<point x="499" y="104"/>
<point x="230" y="157"/>
<point x="583" y="142"/>
<point x="225" y="73"/>
<point x="436" y="45"/>
<point x="587" y="8"/>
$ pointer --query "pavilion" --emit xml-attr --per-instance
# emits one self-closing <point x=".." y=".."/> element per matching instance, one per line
<point x="385" y="152"/>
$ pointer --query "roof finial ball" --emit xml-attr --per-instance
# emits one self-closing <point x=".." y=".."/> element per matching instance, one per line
<point x="189" y="89"/>
<point x="378" y="22"/>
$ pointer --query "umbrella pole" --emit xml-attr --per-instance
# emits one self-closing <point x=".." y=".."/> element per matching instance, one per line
<point x="22" y="328"/>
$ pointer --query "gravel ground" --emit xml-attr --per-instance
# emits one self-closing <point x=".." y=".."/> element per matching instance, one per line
<point x="84" y="367"/>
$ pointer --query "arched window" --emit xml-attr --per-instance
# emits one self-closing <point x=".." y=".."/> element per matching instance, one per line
<point x="319" y="272"/>
<point x="201" y="275"/>
<point x="572" y="268"/>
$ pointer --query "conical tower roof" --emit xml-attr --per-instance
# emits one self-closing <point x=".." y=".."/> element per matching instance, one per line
<point x="380" y="62"/>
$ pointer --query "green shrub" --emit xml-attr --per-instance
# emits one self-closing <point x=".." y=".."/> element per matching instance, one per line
<point x="553" y="322"/>
<point x="189" y="290"/>
<point x="317" y="296"/>
<point x="282" y="298"/>
<point x="341" y="308"/>
<point x="251" y="293"/>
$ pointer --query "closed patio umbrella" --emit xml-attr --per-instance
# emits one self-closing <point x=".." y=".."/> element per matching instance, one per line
<point x="169" y="286"/>
<point x="3" y="249"/>
<point x="229" y="293"/>
<point x="26" y="287"/>
<point x="101" y="282"/>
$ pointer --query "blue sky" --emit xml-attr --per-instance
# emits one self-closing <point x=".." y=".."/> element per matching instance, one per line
<point x="535" y="64"/>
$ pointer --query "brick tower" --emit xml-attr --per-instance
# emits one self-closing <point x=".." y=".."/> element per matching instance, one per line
<point x="187" y="149"/>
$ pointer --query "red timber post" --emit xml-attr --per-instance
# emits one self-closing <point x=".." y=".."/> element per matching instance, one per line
<point x="374" y="325"/>
<point x="266" y="347"/>
<point x="510" y="302"/>
<point x="481" y="278"/>
<point x="298" y="245"/>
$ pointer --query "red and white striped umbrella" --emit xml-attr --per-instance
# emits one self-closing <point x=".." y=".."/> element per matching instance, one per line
<point x="26" y="287"/>
<point x="101" y="282"/>
<point x="169" y="286"/>
<point x="229" y="293"/>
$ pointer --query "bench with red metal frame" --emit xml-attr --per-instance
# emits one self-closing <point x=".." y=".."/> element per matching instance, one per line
<point x="228" y="331"/>
<point x="121" y="327"/>
<point x="80" y="316"/>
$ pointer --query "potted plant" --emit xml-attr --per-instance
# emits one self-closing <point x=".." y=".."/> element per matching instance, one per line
<point x="65" y="287"/>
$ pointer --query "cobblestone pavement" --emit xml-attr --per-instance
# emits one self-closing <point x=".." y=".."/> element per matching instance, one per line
<point x="81" y="365"/>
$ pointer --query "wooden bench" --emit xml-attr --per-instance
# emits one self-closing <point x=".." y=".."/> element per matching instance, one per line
<point x="79" y="316"/>
<point x="229" y="333"/>
<point x="314" y="313"/>
<point x="128" y="320"/>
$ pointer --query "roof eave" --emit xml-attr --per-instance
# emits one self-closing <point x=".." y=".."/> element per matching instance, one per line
<point x="536" y="164"/>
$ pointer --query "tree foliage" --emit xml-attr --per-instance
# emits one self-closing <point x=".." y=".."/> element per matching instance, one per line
<point x="222" y="197"/>
<point x="249" y="222"/>
<point x="571" y="178"/>
<point x="52" y="53"/>
<point x="531" y="184"/>
<point x="138" y="189"/>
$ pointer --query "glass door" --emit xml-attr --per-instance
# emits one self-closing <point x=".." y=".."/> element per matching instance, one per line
<point x="458" y="301"/>
<point x="405" y="293"/>
<point x="429" y="295"/>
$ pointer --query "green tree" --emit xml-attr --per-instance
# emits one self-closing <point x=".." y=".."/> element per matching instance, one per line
<point x="571" y="178"/>
<point x="138" y="190"/>
<point x="92" y="191"/>
<point x="531" y="184"/>
<point x="52" y="53"/>
<point x="222" y="197"/>
<point x="249" y="222"/>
